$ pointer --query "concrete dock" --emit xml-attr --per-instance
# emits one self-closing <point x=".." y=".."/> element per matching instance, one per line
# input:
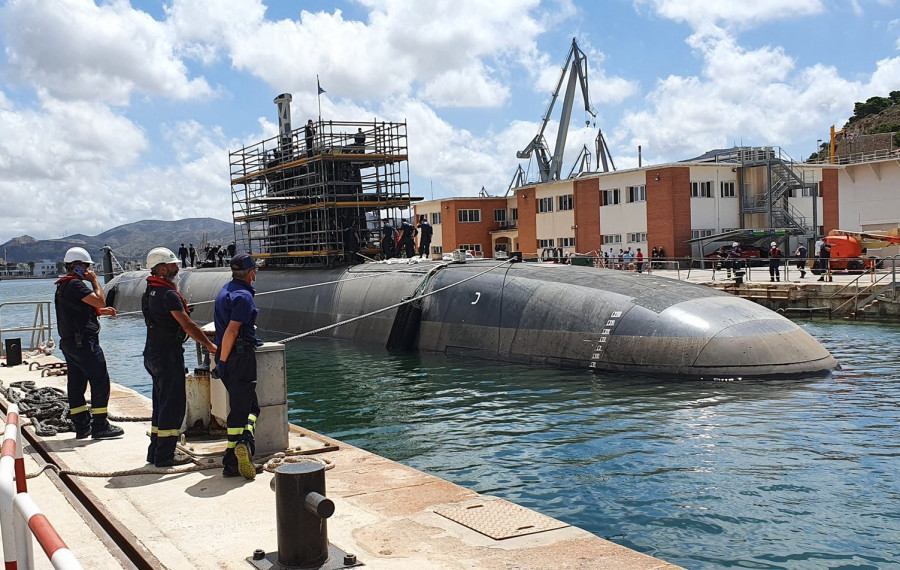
<point x="115" y="511"/>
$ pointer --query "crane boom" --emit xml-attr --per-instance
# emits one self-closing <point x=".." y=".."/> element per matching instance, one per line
<point x="550" y="165"/>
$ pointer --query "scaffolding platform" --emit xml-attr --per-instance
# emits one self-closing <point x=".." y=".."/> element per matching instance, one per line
<point x="296" y="198"/>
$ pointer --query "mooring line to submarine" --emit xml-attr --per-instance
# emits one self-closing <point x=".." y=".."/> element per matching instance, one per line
<point x="388" y="308"/>
<point x="367" y="276"/>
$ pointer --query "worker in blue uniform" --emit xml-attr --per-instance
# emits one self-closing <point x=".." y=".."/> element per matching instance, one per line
<point x="235" y="319"/>
<point x="77" y="309"/>
<point x="166" y="314"/>
<point x="408" y="232"/>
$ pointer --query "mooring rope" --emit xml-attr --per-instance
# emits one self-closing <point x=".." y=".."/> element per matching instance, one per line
<point x="389" y="307"/>
<point x="297" y="288"/>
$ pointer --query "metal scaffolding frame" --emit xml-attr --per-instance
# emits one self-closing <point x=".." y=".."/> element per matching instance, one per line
<point x="293" y="197"/>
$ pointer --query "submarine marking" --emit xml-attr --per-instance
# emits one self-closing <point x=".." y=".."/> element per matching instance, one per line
<point x="477" y="296"/>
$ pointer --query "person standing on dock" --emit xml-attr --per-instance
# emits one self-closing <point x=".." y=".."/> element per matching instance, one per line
<point x="235" y="318"/>
<point x="192" y="253"/>
<point x="775" y="256"/>
<point x="425" y="233"/>
<point x="733" y="260"/>
<point x="801" y="255"/>
<point x="77" y="309"/>
<point x="166" y="314"/>
<point x="825" y="261"/>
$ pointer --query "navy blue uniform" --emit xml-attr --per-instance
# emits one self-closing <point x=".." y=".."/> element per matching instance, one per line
<point x="164" y="361"/>
<point x="235" y="303"/>
<point x="79" y="340"/>
<point x="425" y="233"/>
<point x="407" y="233"/>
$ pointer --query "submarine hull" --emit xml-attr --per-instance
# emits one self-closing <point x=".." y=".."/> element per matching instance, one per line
<point x="545" y="314"/>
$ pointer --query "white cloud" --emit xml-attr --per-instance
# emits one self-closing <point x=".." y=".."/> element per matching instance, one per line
<point x="77" y="50"/>
<point x="703" y="14"/>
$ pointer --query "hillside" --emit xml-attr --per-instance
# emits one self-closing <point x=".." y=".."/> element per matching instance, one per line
<point x="129" y="242"/>
<point x="874" y="129"/>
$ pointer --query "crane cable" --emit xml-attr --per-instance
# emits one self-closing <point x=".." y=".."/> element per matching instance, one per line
<point x="389" y="307"/>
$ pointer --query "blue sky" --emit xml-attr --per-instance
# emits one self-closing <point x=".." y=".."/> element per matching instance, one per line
<point x="115" y="111"/>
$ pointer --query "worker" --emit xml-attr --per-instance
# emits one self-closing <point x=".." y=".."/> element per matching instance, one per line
<point x="183" y="254"/>
<point x="775" y="256"/>
<point x="639" y="261"/>
<point x="425" y="233"/>
<point x="351" y="240"/>
<point x="235" y="319"/>
<point x="408" y="232"/>
<point x="733" y="259"/>
<point x="166" y="314"/>
<point x="825" y="261"/>
<point x="387" y="239"/>
<point x="801" y="255"/>
<point x="309" y="135"/>
<point x="77" y="309"/>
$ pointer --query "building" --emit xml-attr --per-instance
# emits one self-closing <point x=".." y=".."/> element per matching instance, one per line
<point x="750" y="195"/>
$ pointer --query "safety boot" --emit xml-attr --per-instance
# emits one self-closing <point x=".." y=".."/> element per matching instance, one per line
<point x="245" y="465"/>
<point x="108" y="432"/>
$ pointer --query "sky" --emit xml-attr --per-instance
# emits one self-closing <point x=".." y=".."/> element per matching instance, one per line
<point x="114" y="111"/>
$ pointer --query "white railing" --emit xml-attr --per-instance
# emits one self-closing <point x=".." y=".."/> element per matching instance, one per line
<point x="20" y="517"/>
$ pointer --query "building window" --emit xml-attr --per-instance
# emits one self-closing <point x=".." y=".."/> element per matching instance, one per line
<point x="471" y="246"/>
<point x="435" y="218"/>
<point x="545" y="205"/>
<point x="609" y="239"/>
<point x="437" y="249"/>
<point x="695" y="234"/>
<point x="469" y="216"/>
<point x="701" y="189"/>
<point x="515" y="214"/>
<point x="808" y="192"/>
<point x="639" y="237"/>
<point x="726" y="189"/>
<point x="565" y="242"/>
<point x="545" y="243"/>
<point x="499" y="215"/>
<point x="637" y="193"/>
<point x="566" y="202"/>
<point x="609" y="197"/>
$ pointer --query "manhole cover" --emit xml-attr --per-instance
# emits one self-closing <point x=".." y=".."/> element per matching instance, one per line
<point x="500" y="519"/>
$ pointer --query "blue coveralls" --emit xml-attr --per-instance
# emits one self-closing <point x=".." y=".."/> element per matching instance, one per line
<point x="235" y="303"/>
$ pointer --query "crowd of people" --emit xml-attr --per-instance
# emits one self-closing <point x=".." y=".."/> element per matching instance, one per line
<point x="629" y="260"/>
<point x="80" y="300"/>
<point x="213" y="255"/>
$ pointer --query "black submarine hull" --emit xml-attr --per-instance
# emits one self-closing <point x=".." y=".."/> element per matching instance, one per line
<point x="544" y="314"/>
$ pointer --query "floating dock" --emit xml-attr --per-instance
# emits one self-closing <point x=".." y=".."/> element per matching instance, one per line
<point x="115" y="511"/>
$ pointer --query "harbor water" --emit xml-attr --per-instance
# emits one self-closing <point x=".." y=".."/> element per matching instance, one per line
<point x="765" y="474"/>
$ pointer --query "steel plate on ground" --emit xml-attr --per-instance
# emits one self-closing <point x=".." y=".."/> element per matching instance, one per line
<point x="499" y="519"/>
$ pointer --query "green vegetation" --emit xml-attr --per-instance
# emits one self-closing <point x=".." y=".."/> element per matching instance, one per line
<point x="873" y="106"/>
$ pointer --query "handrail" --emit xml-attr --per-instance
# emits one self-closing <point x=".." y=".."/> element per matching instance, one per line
<point x="42" y="325"/>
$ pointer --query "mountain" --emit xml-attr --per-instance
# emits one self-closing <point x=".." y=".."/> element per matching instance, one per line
<point x="129" y="242"/>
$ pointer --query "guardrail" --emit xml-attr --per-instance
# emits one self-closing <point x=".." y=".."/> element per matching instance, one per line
<point x="20" y="517"/>
<point x="41" y="328"/>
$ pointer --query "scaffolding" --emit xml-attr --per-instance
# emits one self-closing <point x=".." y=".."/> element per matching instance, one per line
<point x="295" y="198"/>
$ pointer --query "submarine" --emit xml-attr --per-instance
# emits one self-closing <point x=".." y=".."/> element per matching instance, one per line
<point x="307" y="202"/>
<point x="533" y="313"/>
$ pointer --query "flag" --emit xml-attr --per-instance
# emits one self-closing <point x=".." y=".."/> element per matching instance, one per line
<point x="320" y="87"/>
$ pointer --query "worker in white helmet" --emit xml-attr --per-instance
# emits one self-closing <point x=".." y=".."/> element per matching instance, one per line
<point x="77" y="308"/>
<point x="775" y="257"/>
<point x="166" y="314"/>
<point x="734" y="259"/>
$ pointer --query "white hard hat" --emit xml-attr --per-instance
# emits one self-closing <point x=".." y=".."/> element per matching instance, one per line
<point x="735" y="244"/>
<point x="159" y="255"/>
<point x="773" y="244"/>
<point x="77" y="254"/>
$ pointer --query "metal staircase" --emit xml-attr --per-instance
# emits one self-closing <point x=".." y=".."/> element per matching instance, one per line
<point x="783" y="179"/>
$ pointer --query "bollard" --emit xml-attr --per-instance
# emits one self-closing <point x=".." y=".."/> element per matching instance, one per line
<point x="302" y="532"/>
